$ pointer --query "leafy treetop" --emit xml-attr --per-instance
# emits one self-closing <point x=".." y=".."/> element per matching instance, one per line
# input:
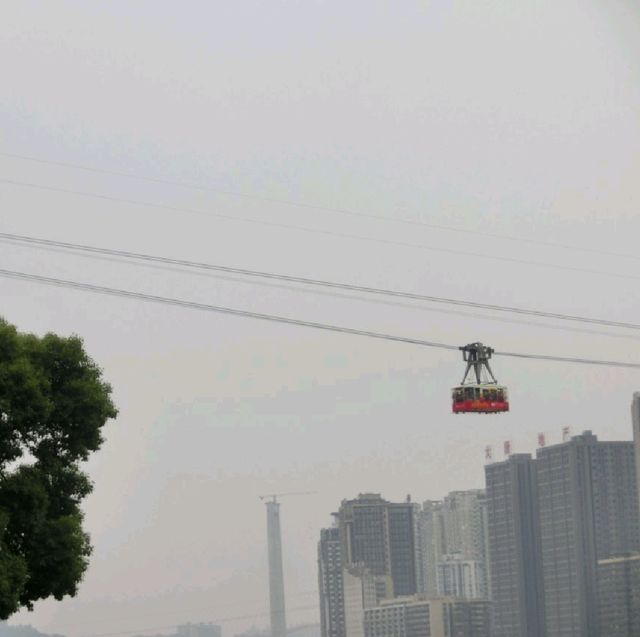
<point x="53" y="405"/>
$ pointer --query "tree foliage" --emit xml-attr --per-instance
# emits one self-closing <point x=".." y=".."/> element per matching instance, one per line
<point x="53" y="405"/>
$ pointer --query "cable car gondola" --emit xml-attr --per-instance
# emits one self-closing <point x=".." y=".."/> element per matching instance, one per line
<point x="484" y="396"/>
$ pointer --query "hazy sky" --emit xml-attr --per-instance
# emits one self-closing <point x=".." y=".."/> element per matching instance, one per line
<point x="511" y="118"/>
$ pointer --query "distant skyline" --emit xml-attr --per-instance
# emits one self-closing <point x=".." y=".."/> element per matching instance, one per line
<point x="26" y="630"/>
<point x="517" y="120"/>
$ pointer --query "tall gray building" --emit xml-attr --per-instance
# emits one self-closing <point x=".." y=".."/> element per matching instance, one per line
<point x="330" y="584"/>
<point x="514" y="548"/>
<point x="430" y="539"/>
<point x="619" y="596"/>
<point x="380" y="536"/>
<point x="468" y="618"/>
<point x="588" y="512"/>
<point x="635" y="419"/>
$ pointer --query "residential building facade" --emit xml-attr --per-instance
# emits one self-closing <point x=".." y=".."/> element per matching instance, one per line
<point x="588" y="512"/>
<point x="458" y="577"/>
<point x="330" y="584"/>
<point x="380" y="536"/>
<point x="420" y="616"/>
<point x="431" y="540"/>
<point x="456" y="526"/>
<point x="635" y="420"/>
<point x="619" y="596"/>
<point x="515" y="548"/>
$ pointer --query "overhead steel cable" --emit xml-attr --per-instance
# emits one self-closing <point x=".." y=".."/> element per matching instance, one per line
<point x="29" y="240"/>
<point x="88" y="287"/>
<point x="330" y="233"/>
<point x="217" y="308"/>
<point x="565" y="327"/>
<point x="312" y="206"/>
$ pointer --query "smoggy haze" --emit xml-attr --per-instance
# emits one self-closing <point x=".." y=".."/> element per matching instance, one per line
<point x="518" y="119"/>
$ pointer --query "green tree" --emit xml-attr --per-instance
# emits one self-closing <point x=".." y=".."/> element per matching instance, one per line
<point x="53" y="405"/>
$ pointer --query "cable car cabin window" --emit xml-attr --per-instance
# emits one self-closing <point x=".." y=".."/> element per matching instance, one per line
<point x="468" y="393"/>
<point x="485" y="394"/>
<point x="500" y="395"/>
<point x="476" y="393"/>
<point x="493" y="394"/>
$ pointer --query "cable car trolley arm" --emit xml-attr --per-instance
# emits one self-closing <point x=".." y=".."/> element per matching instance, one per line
<point x="479" y="391"/>
<point x="476" y="356"/>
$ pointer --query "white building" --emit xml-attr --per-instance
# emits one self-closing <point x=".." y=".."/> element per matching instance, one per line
<point x="360" y="592"/>
<point x="456" y="526"/>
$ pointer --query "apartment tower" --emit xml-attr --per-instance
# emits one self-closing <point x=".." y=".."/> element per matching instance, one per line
<point x="588" y="505"/>
<point x="514" y="548"/>
<point x="380" y="536"/>
<point x="330" y="584"/>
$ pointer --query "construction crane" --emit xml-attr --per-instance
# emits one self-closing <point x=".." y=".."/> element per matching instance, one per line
<point x="274" y="547"/>
<point x="274" y="496"/>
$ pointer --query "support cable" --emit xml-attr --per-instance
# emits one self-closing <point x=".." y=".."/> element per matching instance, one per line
<point x="87" y="287"/>
<point x="125" y="254"/>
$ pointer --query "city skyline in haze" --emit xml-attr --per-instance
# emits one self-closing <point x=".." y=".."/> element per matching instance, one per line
<point x="514" y="121"/>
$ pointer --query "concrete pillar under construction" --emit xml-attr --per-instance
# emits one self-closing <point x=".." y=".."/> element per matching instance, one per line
<point x="276" y="578"/>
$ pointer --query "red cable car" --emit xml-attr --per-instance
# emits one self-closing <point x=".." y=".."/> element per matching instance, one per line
<point x="484" y="396"/>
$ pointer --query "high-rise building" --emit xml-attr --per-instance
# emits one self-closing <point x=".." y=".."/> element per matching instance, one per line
<point x="468" y="618"/>
<point x="380" y="536"/>
<point x="431" y="543"/>
<point x="465" y="520"/>
<point x="330" y="586"/>
<point x="635" y="419"/>
<point x="619" y="596"/>
<point x="588" y="505"/>
<point x="402" y="548"/>
<point x="514" y="548"/>
<point x="465" y="535"/>
<point x="455" y="526"/>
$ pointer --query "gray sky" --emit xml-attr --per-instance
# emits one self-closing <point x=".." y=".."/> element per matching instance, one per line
<point x="513" y="118"/>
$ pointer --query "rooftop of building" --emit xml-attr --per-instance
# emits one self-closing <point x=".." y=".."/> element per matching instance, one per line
<point x="620" y="559"/>
<point x="410" y="600"/>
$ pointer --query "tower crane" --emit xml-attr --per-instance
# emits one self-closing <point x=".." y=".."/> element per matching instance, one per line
<point x="274" y="547"/>
<point x="274" y="496"/>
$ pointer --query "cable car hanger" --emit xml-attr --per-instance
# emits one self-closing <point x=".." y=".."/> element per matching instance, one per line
<point x="485" y="395"/>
